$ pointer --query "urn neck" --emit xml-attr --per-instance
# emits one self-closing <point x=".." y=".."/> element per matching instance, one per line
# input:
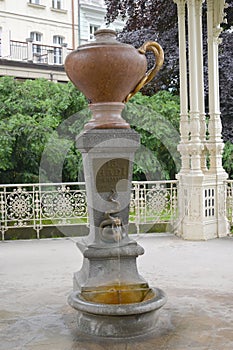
<point x="106" y="115"/>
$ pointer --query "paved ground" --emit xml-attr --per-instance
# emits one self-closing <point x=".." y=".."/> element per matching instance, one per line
<point x="36" y="277"/>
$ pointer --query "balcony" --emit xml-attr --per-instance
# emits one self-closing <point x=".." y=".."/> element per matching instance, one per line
<point x="34" y="52"/>
<point x="33" y="60"/>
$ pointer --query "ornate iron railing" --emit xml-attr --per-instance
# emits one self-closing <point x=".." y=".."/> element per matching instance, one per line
<point x="153" y="202"/>
<point x="44" y="205"/>
<point x="229" y="201"/>
<point x="38" y="206"/>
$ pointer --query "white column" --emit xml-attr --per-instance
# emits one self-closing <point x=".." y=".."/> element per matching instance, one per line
<point x="195" y="144"/>
<point x="184" y="118"/>
<point x="200" y="77"/>
<point x="183" y="147"/>
<point x="215" y="144"/>
<point x="201" y="194"/>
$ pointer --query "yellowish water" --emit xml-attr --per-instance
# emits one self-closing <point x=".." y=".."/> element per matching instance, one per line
<point x="118" y="294"/>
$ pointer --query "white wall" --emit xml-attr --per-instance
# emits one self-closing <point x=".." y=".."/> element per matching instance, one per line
<point x="93" y="13"/>
<point x="19" y="18"/>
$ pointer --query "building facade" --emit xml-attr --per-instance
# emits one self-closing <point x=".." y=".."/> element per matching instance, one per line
<point x="36" y="35"/>
<point x="91" y="17"/>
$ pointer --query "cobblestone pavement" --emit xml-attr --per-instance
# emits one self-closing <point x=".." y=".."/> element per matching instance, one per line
<point x="36" y="278"/>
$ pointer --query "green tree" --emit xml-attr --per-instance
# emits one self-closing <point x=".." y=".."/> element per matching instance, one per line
<point x="156" y="119"/>
<point x="38" y="118"/>
<point x="157" y="20"/>
<point x="30" y="113"/>
<point x="228" y="158"/>
<point x="39" y="121"/>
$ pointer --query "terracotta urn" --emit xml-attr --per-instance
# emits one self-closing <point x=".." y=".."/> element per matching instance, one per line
<point x="109" y="73"/>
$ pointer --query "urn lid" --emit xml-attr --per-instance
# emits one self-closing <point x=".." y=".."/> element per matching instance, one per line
<point x="104" y="36"/>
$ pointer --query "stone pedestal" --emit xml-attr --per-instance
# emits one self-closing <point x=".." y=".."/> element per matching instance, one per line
<point x="109" y="293"/>
<point x="108" y="156"/>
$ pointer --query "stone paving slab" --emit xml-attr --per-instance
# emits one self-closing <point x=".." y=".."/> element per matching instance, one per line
<point x="36" y="278"/>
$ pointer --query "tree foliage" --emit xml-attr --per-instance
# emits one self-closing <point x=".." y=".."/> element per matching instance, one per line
<point x="156" y="119"/>
<point x="157" y="20"/>
<point x="39" y="123"/>
<point x="226" y="85"/>
<point x="228" y="158"/>
<point x="30" y="113"/>
<point x="151" y="20"/>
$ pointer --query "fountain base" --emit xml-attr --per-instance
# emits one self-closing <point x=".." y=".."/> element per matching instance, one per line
<point x="118" y="320"/>
<point x="111" y="298"/>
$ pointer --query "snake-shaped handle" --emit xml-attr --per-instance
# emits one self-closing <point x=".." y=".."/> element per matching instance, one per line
<point x="159" y="55"/>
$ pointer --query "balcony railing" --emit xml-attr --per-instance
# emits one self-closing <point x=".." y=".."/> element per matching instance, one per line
<point x="18" y="50"/>
<point x="45" y="205"/>
<point x="35" y="52"/>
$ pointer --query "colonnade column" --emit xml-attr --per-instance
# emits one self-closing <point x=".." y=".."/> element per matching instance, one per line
<point x="215" y="16"/>
<point x="189" y="224"/>
<point x="200" y="190"/>
<point x="195" y="144"/>
<point x="183" y="146"/>
<point x="215" y="143"/>
<point x="200" y="77"/>
<point x="184" y="117"/>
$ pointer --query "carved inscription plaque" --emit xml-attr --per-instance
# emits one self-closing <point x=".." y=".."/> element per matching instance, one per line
<point x="109" y="172"/>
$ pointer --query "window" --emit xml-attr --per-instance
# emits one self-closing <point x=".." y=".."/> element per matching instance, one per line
<point x="36" y="38"/>
<point x="92" y="29"/>
<point x="36" y="2"/>
<point x="209" y="202"/>
<point x="58" y="41"/>
<point x="57" y="4"/>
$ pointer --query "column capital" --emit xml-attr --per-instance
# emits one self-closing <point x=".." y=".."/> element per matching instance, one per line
<point x="191" y="3"/>
<point x="216" y="8"/>
<point x="219" y="14"/>
<point x="199" y="4"/>
<point x="180" y="6"/>
<point x="195" y="148"/>
<point x="180" y="2"/>
<point x="215" y="148"/>
<point x="216" y="33"/>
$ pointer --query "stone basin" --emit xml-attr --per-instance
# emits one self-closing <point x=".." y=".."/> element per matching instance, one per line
<point x="118" y="320"/>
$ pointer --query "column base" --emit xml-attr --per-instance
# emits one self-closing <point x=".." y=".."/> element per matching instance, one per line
<point x="199" y="232"/>
<point x="202" y="207"/>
